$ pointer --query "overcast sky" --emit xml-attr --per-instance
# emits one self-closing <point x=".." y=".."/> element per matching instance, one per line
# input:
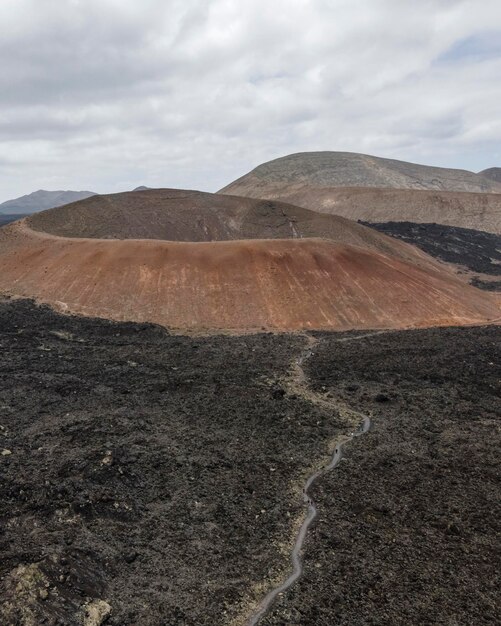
<point x="110" y="94"/>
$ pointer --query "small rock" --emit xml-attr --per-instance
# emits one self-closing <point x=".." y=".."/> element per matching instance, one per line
<point x="107" y="459"/>
<point x="278" y="393"/>
<point x="96" y="613"/>
<point x="453" y="529"/>
<point x="131" y="556"/>
<point x="6" y="452"/>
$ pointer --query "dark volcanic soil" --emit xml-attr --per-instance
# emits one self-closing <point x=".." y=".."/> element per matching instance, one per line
<point x="152" y="479"/>
<point x="407" y="527"/>
<point x="149" y="471"/>
<point x="476" y="250"/>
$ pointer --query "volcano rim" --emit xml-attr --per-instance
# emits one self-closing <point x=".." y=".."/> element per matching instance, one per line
<point x="214" y="288"/>
<point x="23" y="227"/>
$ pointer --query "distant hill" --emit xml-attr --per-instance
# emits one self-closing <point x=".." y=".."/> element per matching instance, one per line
<point x="41" y="200"/>
<point x="493" y="173"/>
<point x="349" y="169"/>
<point x="7" y="218"/>
<point x="478" y="211"/>
<point x="368" y="188"/>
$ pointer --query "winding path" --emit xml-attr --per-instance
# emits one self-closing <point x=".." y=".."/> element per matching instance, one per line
<point x="298" y="379"/>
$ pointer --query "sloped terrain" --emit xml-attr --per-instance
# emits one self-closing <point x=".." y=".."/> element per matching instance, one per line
<point x="473" y="252"/>
<point x="246" y="285"/>
<point x="190" y="261"/>
<point x="493" y="173"/>
<point x="156" y="479"/>
<point x="193" y="216"/>
<point x="349" y="169"/>
<point x="479" y="211"/>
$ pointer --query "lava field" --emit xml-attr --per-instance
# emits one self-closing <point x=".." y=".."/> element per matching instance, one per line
<point x="473" y="250"/>
<point x="150" y="478"/>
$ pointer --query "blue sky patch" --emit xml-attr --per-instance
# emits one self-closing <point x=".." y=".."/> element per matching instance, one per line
<point x="475" y="48"/>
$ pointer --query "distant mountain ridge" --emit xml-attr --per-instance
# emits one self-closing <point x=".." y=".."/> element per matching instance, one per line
<point x="350" y="169"/>
<point x="372" y="189"/>
<point x="7" y="218"/>
<point x="41" y="200"/>
<point x="493" y="173"/>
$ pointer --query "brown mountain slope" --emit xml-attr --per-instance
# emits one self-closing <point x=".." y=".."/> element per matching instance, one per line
<point x="479" y="211"/>
<point x="235" y="285"/>
<point x="377" y="190"/>
<point x="177" y="215"/>
<point x="348" y="169"/>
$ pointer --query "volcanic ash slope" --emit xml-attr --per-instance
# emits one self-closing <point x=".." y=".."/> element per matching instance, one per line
<point x="204" y="262"/>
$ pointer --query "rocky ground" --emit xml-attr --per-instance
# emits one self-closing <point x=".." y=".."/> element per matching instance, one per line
<point x="155" y="479"/>
<point x="474" y="250"/>
<point x="147" y="471"/>
<point x="408" y="523"/>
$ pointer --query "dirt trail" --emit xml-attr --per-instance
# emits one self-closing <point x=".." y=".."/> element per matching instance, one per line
<point x="298" y="384"/>
<point x="406" y="529"/>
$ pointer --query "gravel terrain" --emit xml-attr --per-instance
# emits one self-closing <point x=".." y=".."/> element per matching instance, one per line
<point x="409" y="523"/>
<point x="157" y="474"/>
<point x="154" y="479"/>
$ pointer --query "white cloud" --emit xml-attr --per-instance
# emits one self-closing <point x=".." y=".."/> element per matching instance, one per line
<point x="109" y="94"/>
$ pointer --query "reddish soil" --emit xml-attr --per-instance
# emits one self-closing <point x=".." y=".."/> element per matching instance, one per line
<point x="236" y="285"/>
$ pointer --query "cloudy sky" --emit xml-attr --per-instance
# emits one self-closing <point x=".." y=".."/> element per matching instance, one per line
<point x="110" y="94"/>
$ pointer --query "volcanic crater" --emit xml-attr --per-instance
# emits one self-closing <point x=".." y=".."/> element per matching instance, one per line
<point x="200" y="262"/>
